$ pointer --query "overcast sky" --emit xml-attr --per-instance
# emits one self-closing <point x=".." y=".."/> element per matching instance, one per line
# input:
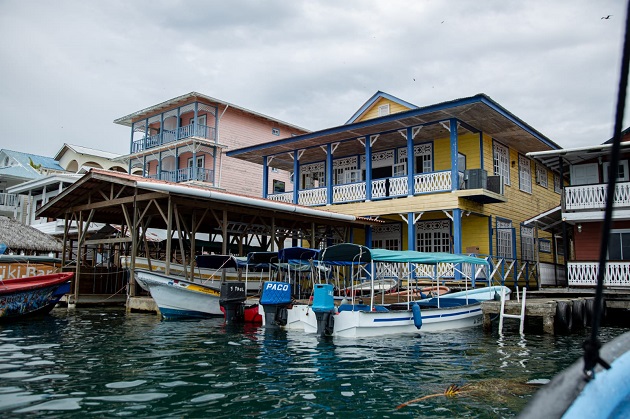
<point x="69" y="68"/>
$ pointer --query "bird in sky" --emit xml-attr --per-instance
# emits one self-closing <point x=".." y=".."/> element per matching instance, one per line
<point x="606" y="17"/>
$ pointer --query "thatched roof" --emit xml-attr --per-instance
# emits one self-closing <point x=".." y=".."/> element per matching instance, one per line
<point x="18" y="236"/>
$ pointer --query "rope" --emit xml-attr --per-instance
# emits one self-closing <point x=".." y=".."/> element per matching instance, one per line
<point x="592" y="346"/>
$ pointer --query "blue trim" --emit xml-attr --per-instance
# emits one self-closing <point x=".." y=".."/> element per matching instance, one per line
<point x="265" y="189"/>
<point x="434" y="316"/>
<point x="296" y="177"/>
<point x="329" y="174"/>
<point x="169" y="313"/>
<point x="454" y="156"/>
<point x="480" y="98"/>
<point x="410" y="163"/>
<point x="411" y="232"/>
<point x="368" y="168"/>
<point x="490" y="235"/>
<point x="368" y="236"/>
<point x="481" y="150"/>
<point x="371" y="101"/>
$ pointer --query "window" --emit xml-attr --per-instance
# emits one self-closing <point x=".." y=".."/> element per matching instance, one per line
<point x="504" y="239"/>
<point x="527" y="243"/>
<point x="501" y="160"/>
<point x="278" y="186"/>
<point x="433" y="236"/>
<point x="275" y="131"/>
<point x="524" y="174"/>
<point x="544" y="246"/>
<point x="386" y="236"/>
<point x="557" y="184"/>
<point x="313" y="175"/>
<point x="619" y="245"/>
<point x="622" y="172"/>
<point x="541" y="175"/>
<point x="383" y="110"/>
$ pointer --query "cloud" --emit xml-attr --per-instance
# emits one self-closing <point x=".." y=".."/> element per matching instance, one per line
<point x="71" y="68"/>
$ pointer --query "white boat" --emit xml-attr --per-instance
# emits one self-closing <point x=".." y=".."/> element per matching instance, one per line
<point x="177" y="297"/>
<point x="356" y="319"/>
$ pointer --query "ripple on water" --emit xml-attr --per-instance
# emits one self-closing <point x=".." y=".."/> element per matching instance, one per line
<point x="125" y="384"/>
<point x="60" y="404"/>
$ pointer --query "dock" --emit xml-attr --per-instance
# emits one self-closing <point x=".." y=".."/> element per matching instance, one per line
<point x="562" y="310"/>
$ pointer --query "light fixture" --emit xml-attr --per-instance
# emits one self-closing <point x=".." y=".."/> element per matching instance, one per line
<point x="579" y="228"/>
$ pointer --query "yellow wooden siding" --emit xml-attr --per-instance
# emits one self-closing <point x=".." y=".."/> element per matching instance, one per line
<point x="442" y="154"/>
<point x="475" y="234"/>
<point x="468" y="145"/>
<point x="372" y="112"/>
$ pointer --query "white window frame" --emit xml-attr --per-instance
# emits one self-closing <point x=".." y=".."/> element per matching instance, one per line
<point x="504" y="239"/>
<point x="527" y="243"/>
<point x="542" y="175"/>
<point x="619" y="232"/>
<point x="433" y="236"/>
<point x="501" y="161"/>
<point x="524" y="174"/>
<point x="387" y="236"/>
<point x="623" y="165"/>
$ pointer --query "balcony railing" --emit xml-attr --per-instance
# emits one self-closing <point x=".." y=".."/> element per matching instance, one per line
<point x="185" y="175"/>
<point x="391" y="187"/>
<point x="10" y="200"/>
<point x="593" y="197"/>
<point x="585" y="274"/>
<point x="169" y="136"/>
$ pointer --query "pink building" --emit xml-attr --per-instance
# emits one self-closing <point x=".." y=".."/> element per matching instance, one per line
<point x="185" y="139"/>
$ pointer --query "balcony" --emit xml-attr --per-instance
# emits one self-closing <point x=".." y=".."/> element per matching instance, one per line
<point x="385" y="188"/>
<point x="593" y="197"/>
<point x="9" y="203"/>
<point x="170" y="136"/>
<point x="585" y="274"/>
<point x="186" y="175"/>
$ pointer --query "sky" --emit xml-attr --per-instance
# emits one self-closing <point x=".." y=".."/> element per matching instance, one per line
<point x="68" y="69"/>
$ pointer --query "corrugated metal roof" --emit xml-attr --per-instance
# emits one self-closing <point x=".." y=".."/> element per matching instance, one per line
<point x="25" y="160"/>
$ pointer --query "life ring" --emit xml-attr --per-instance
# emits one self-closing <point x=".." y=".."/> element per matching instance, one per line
<point x="563" y="322"/>
<point x="435" y="290"/>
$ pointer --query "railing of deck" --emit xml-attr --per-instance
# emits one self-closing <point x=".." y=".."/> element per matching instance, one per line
<point x="185" y="175"/>
<point x="312" y="197"/>
<point x="350" y="192"/>
<point x="585" y="274"/>
<point x="432" y="182"/>
<point x="593" y="197"/>
<point x="168" y="136"/>
<point x="9" y="200"/>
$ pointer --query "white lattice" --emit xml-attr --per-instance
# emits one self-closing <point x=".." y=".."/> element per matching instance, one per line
<point x="398" y="186"/>
<point x="432" y="182"/>
<point x="585" y="273"/>
<point x="311" y="197"/>
<point x="444" y="270"/>
<point x="594" y="196"/>
<point x="349" y="192"/>
<point x="282" y="197"/>
<point x="379" y="188"/>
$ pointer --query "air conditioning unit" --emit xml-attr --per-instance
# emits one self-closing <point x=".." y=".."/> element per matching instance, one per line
<point x="495" y="184"/>
<point x="475" y="178"/>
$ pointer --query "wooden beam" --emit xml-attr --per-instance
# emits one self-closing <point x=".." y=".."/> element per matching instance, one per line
<point x="109" y="241"/>
<point x="118" y="201"/>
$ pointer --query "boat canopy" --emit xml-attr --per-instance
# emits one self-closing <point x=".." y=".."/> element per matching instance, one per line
<point x="292" y="254"/>
<point x="348" y="253"/>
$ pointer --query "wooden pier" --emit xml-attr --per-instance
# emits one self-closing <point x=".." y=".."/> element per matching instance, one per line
<point x="562" y="310"/>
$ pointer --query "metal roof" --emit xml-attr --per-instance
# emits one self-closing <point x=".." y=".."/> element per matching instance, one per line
<point x="477" y="113"/>
<point x="180" y="100"/>
<point x="578" y="155"/>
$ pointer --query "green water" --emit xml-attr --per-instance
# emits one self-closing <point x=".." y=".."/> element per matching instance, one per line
<point x="106" y="363"/>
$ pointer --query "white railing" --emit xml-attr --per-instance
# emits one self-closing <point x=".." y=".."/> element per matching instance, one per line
<point x="585" y="273"/>
<point x="379" y="188"/>
<point x="594" y="196"/>
<point x="286" y="197"/>
<point x="9" y="200"/>
<point x="398" y="186"/>
<point x="432" y="182"/>
<point x="312" y="197"/>
<point x="349" y="192"/>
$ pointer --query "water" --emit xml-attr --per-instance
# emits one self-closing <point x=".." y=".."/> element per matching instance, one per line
<point x="107" y="363"/>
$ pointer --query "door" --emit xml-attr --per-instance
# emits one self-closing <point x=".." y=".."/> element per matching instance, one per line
<point x="584" y="174"/>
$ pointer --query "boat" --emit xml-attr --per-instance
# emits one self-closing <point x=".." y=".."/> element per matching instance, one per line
<point x="33" y="295"/>
<point x="356" y="318"/>
<point x="424" y="292"/>
<point x="177" y="297"/>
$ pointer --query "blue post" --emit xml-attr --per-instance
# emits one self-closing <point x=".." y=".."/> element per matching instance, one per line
<point x="329" y="174"/>
<point x="296" y="177"/>
<point x="454" y="157"/>
<point x="265" y="188"/>
<point x="457" y="238"/>
<point x="130" y="149"/>
<point x="368" y="169"/>
<point x="411" y="232"/>
<point x="368" y="236"/>
<point x="161" y="128"/>
<point x="410" y="163"/>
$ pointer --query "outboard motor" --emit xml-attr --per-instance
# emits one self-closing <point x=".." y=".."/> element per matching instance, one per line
<point x="276" y="299"/>
<point x="324" y="309"/>
<point x="232" y="299"/>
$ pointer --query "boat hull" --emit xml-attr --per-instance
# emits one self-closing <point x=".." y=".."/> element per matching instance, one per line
<point x="365" y="323"/>
<point x="32" y="296"/>
<point x="178" y="298"/>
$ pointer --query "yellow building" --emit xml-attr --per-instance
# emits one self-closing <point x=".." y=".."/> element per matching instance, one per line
<point x="468" y="188"/>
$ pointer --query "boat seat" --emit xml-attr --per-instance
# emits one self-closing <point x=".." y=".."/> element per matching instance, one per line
<point x="360" y="307"/>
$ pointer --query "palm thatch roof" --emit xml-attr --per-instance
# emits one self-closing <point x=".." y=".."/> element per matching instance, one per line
<point x="17" y="237"/>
